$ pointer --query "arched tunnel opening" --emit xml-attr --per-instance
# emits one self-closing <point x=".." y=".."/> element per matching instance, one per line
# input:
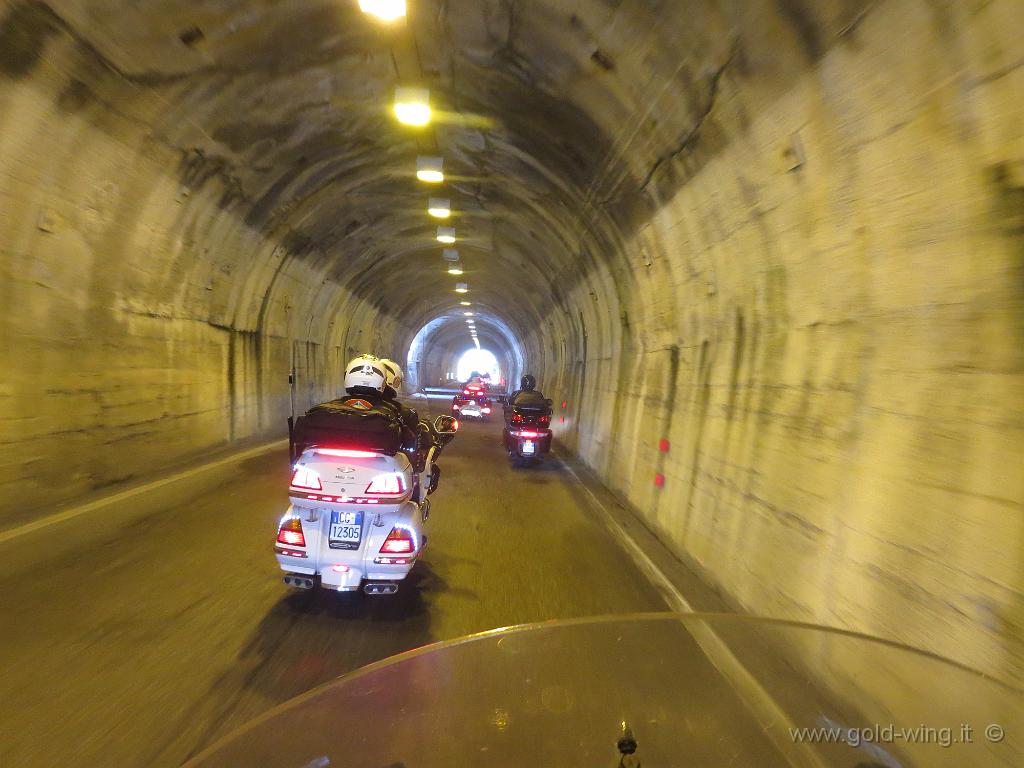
<point x="766" y="258"/>
<point x="434" y="355"/>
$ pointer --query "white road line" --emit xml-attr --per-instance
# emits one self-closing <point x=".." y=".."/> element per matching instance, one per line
<point x="92" y="506"/>
<point x="773" y="718"/>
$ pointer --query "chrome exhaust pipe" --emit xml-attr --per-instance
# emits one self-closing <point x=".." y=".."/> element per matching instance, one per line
<point x="302" y="582"/>
<point x="380" y="588"/>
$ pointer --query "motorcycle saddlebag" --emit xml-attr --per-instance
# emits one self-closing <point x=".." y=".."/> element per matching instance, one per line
<point x="349" y="423"/>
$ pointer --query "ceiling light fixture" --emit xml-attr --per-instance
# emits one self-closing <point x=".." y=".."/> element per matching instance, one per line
<point x="466" y="303"/>
<point x="439" y="207"/>
<point x="446" y="235"/>
<point x="430" y="169"/>
<point x="455" y="268"/>
<point x="385" y="10"/>
<point x="412" y="106"/>
<point x="461" y="288"/>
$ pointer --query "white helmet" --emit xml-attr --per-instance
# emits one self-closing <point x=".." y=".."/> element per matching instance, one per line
<point x="392" y="375"/>
<point x="365" y="375"/>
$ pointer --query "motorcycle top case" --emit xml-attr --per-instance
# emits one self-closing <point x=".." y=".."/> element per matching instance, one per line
<point x="350" y="423"/>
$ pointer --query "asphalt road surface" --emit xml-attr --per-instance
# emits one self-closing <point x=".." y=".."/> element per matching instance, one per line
<point x="137" y="634"/>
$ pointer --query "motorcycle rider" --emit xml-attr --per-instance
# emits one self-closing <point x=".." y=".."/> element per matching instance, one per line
<point x="527" y="394"/>
<point x="367" y="377"/>
<point x="392" y="386"/>
<point x="427" y="435"/>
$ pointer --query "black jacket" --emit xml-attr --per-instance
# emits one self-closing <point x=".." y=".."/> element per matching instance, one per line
<point x="530" y="398"/>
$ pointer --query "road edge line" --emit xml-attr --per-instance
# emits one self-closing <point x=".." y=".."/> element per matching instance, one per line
<point x="129" y="493"/>
<point x="773" y="718"/>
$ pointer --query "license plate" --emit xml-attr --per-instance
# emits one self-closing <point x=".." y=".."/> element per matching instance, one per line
<point x="528" y="446"/>
<point x="346" y="530"/>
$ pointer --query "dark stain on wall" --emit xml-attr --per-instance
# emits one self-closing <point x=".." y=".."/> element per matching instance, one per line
<point x="737" y="363"/>
<point x="1008" y="213"/>
<point x="703" y="393"/>
<point x="24" y="33"/>
<point x="75" y="97"/>
<point x="802" y="21"/>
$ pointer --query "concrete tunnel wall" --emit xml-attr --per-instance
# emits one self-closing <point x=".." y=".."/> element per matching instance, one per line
<point x="787" y="236"/>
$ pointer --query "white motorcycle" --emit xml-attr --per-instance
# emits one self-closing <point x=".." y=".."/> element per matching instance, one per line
<point x="356" y="516"/>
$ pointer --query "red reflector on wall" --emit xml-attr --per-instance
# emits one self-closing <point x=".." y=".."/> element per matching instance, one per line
<point x="564" y="405"/>
<point x="663" y="445"/>
<point x="562" y="419"/>
<point x="659" y="480"/>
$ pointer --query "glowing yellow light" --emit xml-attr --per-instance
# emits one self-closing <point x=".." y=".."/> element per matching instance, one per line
<point x="468" y="314"/>
<point x="466" y="303"/>
<point x="412" y="106"/>
<point x="461" y="288"/>
<point x="430" y="169"/>
<point x="455" y="269"/>
<point x="446" y="235"/>
<point x="385" y="10"/>
<point x="439" y="208"/>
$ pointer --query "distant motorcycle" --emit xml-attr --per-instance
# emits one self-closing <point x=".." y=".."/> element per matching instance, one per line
<point x="527" y="432"/>
<point x="473" y="403"/>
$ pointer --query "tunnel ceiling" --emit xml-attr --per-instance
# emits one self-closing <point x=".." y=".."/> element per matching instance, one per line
<point x="289" y="103"/>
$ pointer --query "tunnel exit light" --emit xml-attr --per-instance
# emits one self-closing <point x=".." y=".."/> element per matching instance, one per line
<point x="385" y="10"/>
<point x="412" y="106"/>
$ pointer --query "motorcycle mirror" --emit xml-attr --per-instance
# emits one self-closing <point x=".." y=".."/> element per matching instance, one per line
<point x="446" y="425"/>
<point x="549" y="402"/>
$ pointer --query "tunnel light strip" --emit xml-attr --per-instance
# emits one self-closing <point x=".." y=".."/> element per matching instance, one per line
<point x="439" y="207"/>
<point x="430" y="169"/>
<point x="412" y="106"/>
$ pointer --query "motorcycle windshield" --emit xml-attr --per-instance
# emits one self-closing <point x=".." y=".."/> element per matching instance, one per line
<point x="696" y="690"/>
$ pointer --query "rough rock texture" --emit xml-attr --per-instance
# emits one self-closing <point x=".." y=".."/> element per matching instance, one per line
<point x="788" y="236"/>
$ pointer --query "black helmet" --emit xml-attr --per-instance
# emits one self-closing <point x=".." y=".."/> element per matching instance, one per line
<point x="528" y="382"/>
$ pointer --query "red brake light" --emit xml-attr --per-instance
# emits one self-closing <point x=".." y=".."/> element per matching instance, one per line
<point x="517" y="419"/>
<point x="455" y="406"/>
<point x="529" y="434"/>
<point x="290" y="533"/>
<point x="465" y="391"/>
<point x="388" y="484"/>
<point x="345" y="453"/>
<point x="398" y="542"/>
<point x="487" y="410"/>
<point x="545" y="419"/>
<point x="304" y="477"/>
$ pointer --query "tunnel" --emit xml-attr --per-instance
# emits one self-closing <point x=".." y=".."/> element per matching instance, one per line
<point x="766" y="258"/>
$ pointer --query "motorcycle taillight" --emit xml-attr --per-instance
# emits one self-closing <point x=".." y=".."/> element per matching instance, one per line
<point x="517" y="419"/>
